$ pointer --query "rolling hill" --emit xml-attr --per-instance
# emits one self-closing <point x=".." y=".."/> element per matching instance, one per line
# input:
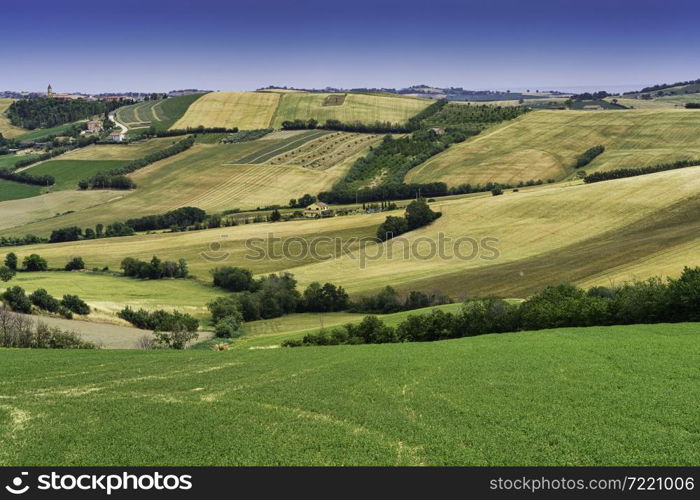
<point x="245" y="110"/>
<point x="591" y="396"/>
<point x="8" y="130"/>
<point x="556" y="233"/>
<point x="161" y="114"/>
<point x="545" y="144"/>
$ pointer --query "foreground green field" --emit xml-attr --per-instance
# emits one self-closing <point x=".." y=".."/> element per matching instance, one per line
<point x="16" y="191"/>
<point x="545" y="144"/>
<point x="594" y="396"/>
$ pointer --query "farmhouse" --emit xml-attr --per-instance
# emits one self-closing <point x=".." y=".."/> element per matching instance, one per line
<point x="116" y="136"/>
<point x="318" y="209"/>
<point x="94" y="126"/>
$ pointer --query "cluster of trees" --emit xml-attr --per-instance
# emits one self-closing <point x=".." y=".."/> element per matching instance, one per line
<point x="246" y="135"/>
<point x="16" y="298"/>
<point x="34" y="263"/>
<point x="650" y="301"/>
<point x="589" y="155"/>
<point x="591" y="96"/>
<point x="159" y="320"/>
<point x="418" y="214"/>
<point x="116" y="177"/>
<point x="633" y="172"/>
<point x="152" y="131"/>
<point x="107" y="181"/>
<point x="156" y="269"/>
<point x="15" y="241"/>
<point x="663" y="86"/>
<point x="367" y="128"/>
<point x="26" y="178"/>
<point x="18" y="331"/>
<point x="180" y="217"/>
<point x="74" y="233"/>
<point x="472" y="118"/>
<point x="389" y="301"/>
<point x="47" y="112"/>
<point x="692" y="105"/>
<point x="302" y="202"/>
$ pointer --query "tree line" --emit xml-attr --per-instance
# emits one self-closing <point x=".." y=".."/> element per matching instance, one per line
<point x="633" y="172"/>
<point x="559" y="306"/>
<point x="589" y="155"/>
<point x="44" y="112"/>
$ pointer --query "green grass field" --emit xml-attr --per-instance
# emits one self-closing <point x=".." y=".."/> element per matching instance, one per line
<point x="160" y="114"/>
<point x="545" y="144"/>
<point x="356" y="107"/>
<point x="69" y="172"/>
<point x="245" y="110"/>
<point x="596" y="396"/>
<point x="15" y="190"/>
<point x="8" y="161"/>
<point x="108" y="293"/>
<point x="41" y="133"/>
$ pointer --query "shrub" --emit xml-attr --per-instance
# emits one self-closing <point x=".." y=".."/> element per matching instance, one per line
<point x="34" y="262"/>
<point x="75" y="264"/>
<point x="589" y="155"/>
<point x="155" y="269"/>
<point x="229" y="327"/>
<point x="21" y="332"/>
<point x="159" y="320"/>
<point x="11" y="261"/>
<point x="75" y="304"/>
<point x="221" y="307"/>
<point x="235" y="279"/>
<point x="176" y="338"/>
<point x="17" y="300"/>
<point x="43" y="300"/>
<point x="326" y="298"/>
<point x="6" y="274"/>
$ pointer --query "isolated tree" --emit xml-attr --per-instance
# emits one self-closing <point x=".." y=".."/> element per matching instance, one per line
<point x="6" y="274"/>
<point x="275" y="215"/>
<point x="11" y="261"/>
<point x="34" y="262"/>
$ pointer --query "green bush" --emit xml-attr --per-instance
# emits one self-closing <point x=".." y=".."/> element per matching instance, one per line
<point x="43" y="300"/>
<point x="75" y="264"/>
<point x="17" y="300"/>
<point x="229" y="327"/>
<point x="34" y="262"/>
<point x="75" y="305"/>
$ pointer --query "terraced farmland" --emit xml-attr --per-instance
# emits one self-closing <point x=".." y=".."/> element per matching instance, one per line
<point x="245" y="110"/>
<point x="355" y="107"/>
<point x="431" y="403"/>
<point x="545" y="144"/>
<point x="161" y="114"/>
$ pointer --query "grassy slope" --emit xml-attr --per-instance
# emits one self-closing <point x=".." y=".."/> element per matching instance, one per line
<point x="41" y="133"/>
<point x="545" y="234"/>
<point x="206" y="177"/>
<point x="69" y="172"/>
<point x="108" y="293"/>
<point x="16" y="191"/>
<point x="545" y="144"/>
<point x="356" y="107"/>
<point x="245" y="110"/>
<point x="667" y="102"/>
<point x="8" y="130"/>
<point x="161" y="114"/>
<point x="596" y="396"/>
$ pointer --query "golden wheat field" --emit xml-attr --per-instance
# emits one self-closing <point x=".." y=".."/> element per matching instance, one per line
<point x="245" y="110"/>
<point x="545" y="144"/>
<point x="355" y="107"/>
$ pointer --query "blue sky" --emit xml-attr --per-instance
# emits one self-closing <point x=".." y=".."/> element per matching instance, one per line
<point x="238" y="45"/>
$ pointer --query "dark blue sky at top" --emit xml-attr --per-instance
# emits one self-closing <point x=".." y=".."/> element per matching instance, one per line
<point x="144" y="45"/>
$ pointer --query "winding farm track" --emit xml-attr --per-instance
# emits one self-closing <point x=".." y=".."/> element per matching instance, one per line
<point x="124" y="129"/>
